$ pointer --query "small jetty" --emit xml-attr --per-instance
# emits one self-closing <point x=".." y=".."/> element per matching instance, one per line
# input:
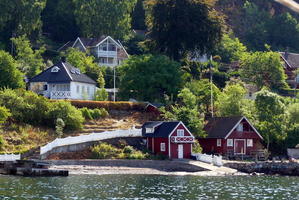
<point x="29" y="168"/>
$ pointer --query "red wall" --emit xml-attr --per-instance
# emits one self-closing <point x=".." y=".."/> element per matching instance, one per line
<point x="187" y="150"/>
<point x="157" y="149"/>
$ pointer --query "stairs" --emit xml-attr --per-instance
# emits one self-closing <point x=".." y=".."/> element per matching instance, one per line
<point x="32" y="154"/>
<point x="87" y="129"/>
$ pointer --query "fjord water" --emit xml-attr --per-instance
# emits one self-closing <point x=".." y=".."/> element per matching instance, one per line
<point x="149" y="187"/>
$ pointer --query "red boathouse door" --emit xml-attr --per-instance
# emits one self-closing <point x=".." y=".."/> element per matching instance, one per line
<point x="240" y="146"/>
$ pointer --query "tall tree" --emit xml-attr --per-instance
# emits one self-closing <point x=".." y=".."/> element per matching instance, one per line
<point x="138" y="16"/>
<point x="263" y="69"/>
<point x="104" y="17"/>
<point x="10" y="76"/>
<point x="19" y="17"/>
<point x="271" y="116"/>
<point x="30" y="61"/>
<point x="59" y="20"/>
<point x="150" y="78"/>
<point x="178" y="27"/>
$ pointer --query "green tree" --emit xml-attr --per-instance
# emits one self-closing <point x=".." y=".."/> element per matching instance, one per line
<point x="104" y="17"/>
<point x="59" y="127"/>
<point x="271" y="117"/>
<point x="59" y="20"/>
<point x="178" y="27"/>
<point x="101" y="95"/>
<point x="30" y="61"/>
<point x="202" y="90"/>
<point x="19" y="17"/>
<point x="263" y="69"/>
<point x="10" y="76"/>
<point x="85" y="63"/>
<point x="231" y="100"/>
<point x="230" y="49"/>
<point x="138" y="16"/>
<point x="187" y="112"/>
<point x="101" y="80"/>
<point x="149" y="78"/>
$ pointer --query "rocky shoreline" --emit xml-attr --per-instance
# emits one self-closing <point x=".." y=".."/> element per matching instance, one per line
<point x="268" y="168"/>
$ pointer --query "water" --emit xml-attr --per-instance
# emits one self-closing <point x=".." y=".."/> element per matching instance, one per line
<point x="149" y="187"/>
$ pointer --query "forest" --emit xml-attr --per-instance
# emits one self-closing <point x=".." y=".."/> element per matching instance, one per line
<point x="243" y="38"/>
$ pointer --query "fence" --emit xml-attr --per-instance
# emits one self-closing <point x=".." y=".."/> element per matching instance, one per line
<point x="211" y="159"/>
<point x="10" y="157"/>
<point x="58" y="142"/>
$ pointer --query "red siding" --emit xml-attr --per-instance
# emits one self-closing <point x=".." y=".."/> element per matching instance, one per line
<point x="187" y="150"/>
<point x="186" y="132"/>
<point x="157" y="143"/>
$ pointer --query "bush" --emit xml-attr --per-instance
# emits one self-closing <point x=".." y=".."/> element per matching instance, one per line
<point x="87" y="113"/>
<point x="71" y="116"/>
<point x="4" y="114"/>
<point x="104" y="151"/>
<point x="128" y="149"/>
<point x="101" y="95"/>
<point x="137" y="155"/>
<point x="2" y="141"/>
<point x="59" y="127"/>
<point x="99" y="113"/>
<point x="196" y="148"/>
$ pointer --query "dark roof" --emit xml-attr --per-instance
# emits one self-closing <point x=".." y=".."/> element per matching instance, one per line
<point x="66" y="74"/>
<point x="291" y="58"/>
<point x="162" y="129"/>
<point x="91" y="42"/>
<point x="219" y="127"/>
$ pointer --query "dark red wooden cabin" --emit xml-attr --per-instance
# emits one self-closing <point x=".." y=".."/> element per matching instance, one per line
<point x="231" y="136"/>
<point x="172" y="139"/>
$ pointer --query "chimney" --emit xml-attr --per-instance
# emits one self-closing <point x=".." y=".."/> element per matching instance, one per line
<point x="286" y="53"/>
<point x="63" y="59"/>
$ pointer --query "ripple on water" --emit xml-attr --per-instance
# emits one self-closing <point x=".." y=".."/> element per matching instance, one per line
<point x="83" y="187"/>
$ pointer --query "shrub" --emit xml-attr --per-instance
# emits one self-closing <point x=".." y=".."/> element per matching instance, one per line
<point x="196" y="148"/>
<point x="2" y="141"/>
<point x="99" y="113"/>
<point x="4" y="114"/>
<point x="104" y="151"/>
<point x="101" y="95"/>
<point x="137" y="155"/>
<point x="87" y="113"/>
<point x="128" y="149"/>
<point x="59" y="127"/>
<point x="71" y="116"/>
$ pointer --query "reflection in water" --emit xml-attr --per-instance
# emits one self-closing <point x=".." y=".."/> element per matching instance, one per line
<point x="149" y="187"/>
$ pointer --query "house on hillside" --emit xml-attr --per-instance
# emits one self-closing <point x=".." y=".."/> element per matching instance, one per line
<point x="63" y="81"/>
<point x="172" y="139"/>
<point x="106" y="50"/>
<point x="231" y="136"/>
<point x="291" y="64"/>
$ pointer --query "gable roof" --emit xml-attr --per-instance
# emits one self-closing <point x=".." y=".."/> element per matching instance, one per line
<point x="291" y="59"/>
<point x="162" y="129"/>
<point x="65" y="74"/>
<point x="222" y="127"/>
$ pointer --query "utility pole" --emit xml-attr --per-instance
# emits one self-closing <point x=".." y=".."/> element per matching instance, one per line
<point x="114" y="93"/>
<point x="211" y="85"/>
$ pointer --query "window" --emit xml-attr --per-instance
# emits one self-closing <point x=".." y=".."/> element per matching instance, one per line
<point x="218" y="142"/>
<point x="230" y="142"/>
<point x="87" y="89"/>
<point x="240" y="127"/>
<point x="82" y="89"/>
<point x="55" y="69"/>
<point x="78" y="89"/>
<point x="149" y="130"/>
<point x="162" y="146"/>
<point x="180" y="132"/>
<point x="45" y="87"/>
<point x="250" y="142"/>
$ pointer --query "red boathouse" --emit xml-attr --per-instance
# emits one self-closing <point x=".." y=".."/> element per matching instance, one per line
<point x="231" y="136"/>
<point x="172" y="139"/>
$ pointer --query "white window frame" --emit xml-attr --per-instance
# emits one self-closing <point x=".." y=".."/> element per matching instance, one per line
<point x="218" y="142"/>
<point x="162" y="146"/>
<point x="180" y="132"/>
<point x="230" y="142"/>
<point x="149" y="130"/>
<point x="249" y="142"/>
<point x="240" y="128"/>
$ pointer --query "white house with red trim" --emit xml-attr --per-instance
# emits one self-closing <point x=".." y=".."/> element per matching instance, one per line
<point x="231" y="136"/>
<point x="172" y="139"/>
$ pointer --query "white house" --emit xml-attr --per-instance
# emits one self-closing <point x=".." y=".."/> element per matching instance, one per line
<point x="63" y="81"/>
<point x="106" y="50"/>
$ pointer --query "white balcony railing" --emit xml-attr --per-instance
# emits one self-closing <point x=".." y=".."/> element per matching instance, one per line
<point x="102" y="53"/>
<point x="60" y="95"/>
<point x="182" y="139"/>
